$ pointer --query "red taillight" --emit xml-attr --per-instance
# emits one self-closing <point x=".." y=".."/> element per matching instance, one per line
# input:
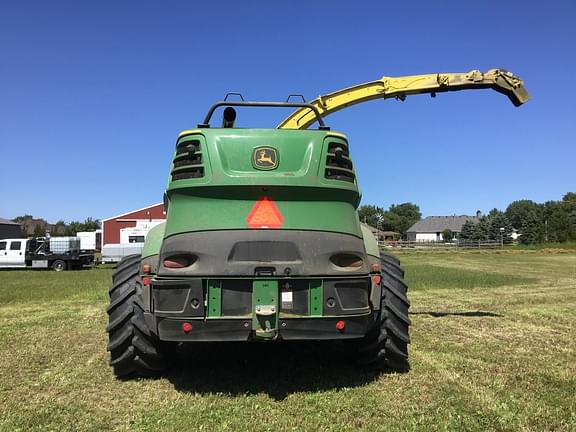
<point x="186" y="327"/>
<point x="180" y="261"/>
<point x="145" y="280"/>
<point x="174" y="263"/>
<point x="340" y="325"/>
<point x="376" y="279"/>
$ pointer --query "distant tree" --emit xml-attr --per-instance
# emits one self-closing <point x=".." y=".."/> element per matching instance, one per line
<point x="59" y="228"/>
<point x="468" y="231"/>
<point x="559" y="219"/>
<point x="570" y="197"/>
<point x="531" y="228"/>
<point x="72" y="228"/>
<point x="408" y="214"/>
<point x="483" y="228"/>
<point x="397" y="218"/>
<point x="517" y="211"/>
<point x="90" y="224"/>
<point x="447" y="235"/>
<point x="487" y="228"/>
<point x="496" y="221"/>
<point x="560" y="227"/>
<point x="569" y="203"/>
<point x="391" y="222"/>
<point x="558" y="224"/>
<point x="369" y="214"/>
<point x="39" y="230"/>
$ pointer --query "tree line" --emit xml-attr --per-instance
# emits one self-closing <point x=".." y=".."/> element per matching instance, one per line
<point x="38" y="227"/>
<point x="552" y="221"/>
<point x="493" y="226"/>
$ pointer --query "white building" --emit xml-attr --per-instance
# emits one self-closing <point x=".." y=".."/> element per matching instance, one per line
<point x="431" y="228"/>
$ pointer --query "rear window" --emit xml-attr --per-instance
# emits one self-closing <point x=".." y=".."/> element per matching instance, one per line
<point x="15" y="245"/>
<point x="2" y="245"/>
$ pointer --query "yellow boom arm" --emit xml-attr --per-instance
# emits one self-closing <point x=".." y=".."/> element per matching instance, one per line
<point x="399" y="87"/>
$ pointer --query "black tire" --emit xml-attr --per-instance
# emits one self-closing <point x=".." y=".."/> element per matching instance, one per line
<point x="125" y="263"/>
<point x="134" y="350"/>
<point x="392" y="261"/>
<point x="59" y="265"/>
<point x="385" y="346"/>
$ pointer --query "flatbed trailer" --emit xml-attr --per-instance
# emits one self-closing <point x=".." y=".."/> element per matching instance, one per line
<point x="59" y="262"/>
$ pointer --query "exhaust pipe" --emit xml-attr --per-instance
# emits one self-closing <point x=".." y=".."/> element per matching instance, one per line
<point x="229" y="117"/>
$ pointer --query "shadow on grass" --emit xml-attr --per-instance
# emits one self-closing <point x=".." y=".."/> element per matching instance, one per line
<point x="437" y="314"/>
<point x="275" y="369"/>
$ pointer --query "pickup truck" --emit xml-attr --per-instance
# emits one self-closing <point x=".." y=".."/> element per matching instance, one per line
<point x="57" y="253"/>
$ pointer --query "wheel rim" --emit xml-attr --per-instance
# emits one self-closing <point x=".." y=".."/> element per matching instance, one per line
<point x="58" y="266"/>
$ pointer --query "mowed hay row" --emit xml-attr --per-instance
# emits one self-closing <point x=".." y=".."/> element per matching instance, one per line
<point x="492" y="349"/>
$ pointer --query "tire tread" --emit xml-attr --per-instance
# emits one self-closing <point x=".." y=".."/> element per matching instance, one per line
<point x="385" y="346"/>
<point x="134" y="350"/>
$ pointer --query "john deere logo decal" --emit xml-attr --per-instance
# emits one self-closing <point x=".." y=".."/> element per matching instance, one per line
<point x="265" y="158"/>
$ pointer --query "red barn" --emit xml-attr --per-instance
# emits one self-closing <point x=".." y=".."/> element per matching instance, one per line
<point x="111" y="227"/>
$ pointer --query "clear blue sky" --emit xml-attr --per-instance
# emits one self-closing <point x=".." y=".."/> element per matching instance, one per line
<point x="93" y="94"/>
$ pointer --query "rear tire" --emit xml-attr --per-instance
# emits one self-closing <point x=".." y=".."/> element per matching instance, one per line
<point x="59" y="265"/>
<point x="385" y="346"/>
<point x="134" y="349"/>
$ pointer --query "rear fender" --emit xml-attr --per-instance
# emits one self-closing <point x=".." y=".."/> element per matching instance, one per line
<point x="154" y="241"/>
<point x="370" y="243"/>
<point x="151" y="250"/>
<point x="150" y="255"/>
<point x="373" y="257"/>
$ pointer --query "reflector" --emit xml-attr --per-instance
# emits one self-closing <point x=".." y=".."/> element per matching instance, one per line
<point x="265" y="214"/>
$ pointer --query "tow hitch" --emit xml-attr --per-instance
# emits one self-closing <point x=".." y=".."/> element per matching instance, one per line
<point x="265" y="308"/>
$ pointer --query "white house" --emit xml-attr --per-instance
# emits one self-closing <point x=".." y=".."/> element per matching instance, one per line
<point x="430" y="228"/>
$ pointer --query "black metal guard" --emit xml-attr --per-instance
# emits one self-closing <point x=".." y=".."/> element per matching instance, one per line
<point x="206" y="123"/>
<point x="296" y="95"/>
<point x="234" y="94"/>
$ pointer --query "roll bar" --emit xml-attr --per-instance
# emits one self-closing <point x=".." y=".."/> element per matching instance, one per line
<point x="303" y="106"/>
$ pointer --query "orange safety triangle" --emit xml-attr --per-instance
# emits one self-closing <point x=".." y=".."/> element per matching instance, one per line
<point x="265" y="214"/>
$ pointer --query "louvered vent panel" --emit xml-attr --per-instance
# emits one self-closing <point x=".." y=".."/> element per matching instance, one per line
<point x="188" y="162"/>
<point x="338" y="163"/>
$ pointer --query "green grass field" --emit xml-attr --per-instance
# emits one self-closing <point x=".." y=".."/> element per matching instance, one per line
<point x="493" y="348"/>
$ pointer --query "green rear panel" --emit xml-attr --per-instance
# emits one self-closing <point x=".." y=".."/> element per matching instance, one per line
<point x="230" y="186"/>
<point x="315" y="296"/>
<point x="214" y="297"/>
